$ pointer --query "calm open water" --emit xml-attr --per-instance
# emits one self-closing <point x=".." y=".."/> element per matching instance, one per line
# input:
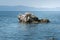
<point x="11" y="29"/>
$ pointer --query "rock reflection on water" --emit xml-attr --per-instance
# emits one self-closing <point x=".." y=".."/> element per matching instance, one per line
<point x="33" y="32"/>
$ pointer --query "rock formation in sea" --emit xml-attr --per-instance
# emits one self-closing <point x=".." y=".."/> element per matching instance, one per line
<point x="30" y="18"/>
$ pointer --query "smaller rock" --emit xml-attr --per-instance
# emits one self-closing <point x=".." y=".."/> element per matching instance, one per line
<point x="44" y="21"/>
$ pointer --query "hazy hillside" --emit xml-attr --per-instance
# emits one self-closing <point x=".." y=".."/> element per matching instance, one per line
<point x="50" y="9"/>
<point x="25" y="8"/>
<point x="17" y="8"/>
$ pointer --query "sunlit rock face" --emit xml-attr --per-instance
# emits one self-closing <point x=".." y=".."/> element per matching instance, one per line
<point x="30" y="18"/>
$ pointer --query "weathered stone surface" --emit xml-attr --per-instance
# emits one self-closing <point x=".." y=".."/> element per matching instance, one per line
<point x="44" y="21"/>
<point x="29" y="18"/>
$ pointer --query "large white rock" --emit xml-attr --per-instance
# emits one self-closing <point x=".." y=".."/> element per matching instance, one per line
<point x="27" y="17"/>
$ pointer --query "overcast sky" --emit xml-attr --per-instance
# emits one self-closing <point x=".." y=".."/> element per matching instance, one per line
<point x="32" y="3"/>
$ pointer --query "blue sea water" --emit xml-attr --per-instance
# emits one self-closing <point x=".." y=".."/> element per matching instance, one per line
<point x="11" y="29"/>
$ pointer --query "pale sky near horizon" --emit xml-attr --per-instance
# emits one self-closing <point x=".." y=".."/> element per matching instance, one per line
<point x="32" y="3"/>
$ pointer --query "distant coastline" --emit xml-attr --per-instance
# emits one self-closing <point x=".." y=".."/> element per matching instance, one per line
<point x="25" y="8"/>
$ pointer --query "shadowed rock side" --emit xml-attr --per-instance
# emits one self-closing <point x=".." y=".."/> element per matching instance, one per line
<point x="30" y="18"/>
